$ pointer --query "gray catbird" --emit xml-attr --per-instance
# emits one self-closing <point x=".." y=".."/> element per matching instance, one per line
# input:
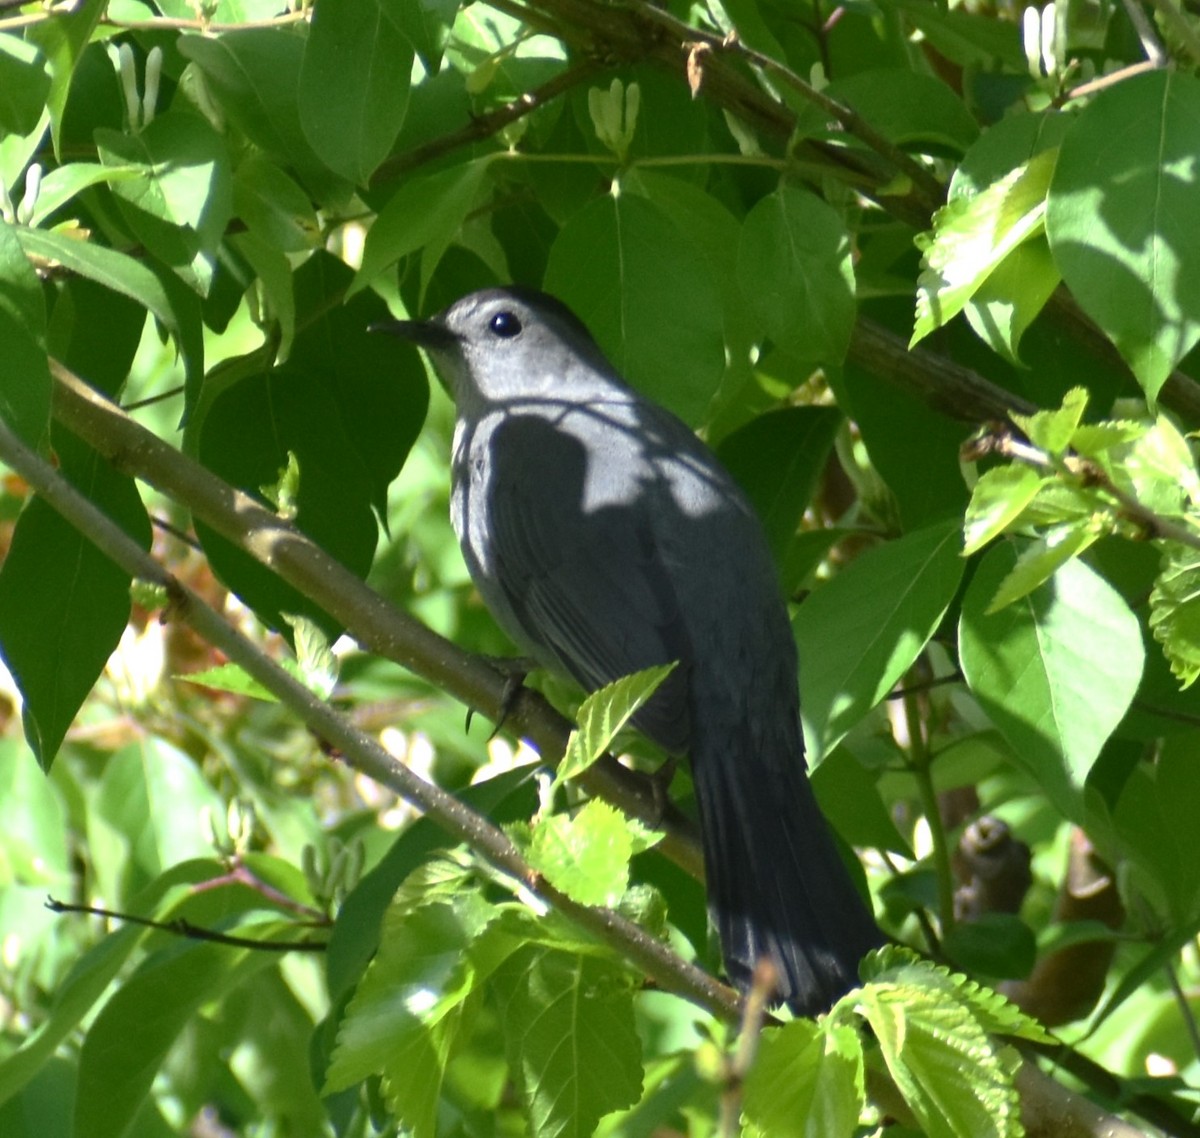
<point x="605" y="537"/>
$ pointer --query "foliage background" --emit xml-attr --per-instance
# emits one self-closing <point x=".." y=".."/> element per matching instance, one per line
<point x="842" y="241"/>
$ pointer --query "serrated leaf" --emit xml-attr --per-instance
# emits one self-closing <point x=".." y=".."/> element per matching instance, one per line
<point x="314" y="654"/>
<point x="1042" y="558"/>
<point x="1055" y="671"/>
<point x="603" y="714"/>
<point x="998" y="499"/>
<point x="806" y="1081"/>
<point x="999" y="1016"/>
<point x="569" y="1032"/>
<point x="586" y="855"/>
<point x="972" y="237"/>
<point x="927" y="1043"/>
<point x="1175" y="611"/>
<point x="1157" y="468"/>
<point x="233" y="679"/>
<point x="1092" y="439"/>
<point x="1052" y="431"/>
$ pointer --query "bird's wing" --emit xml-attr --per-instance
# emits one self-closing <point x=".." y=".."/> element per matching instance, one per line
<point x="589" y="587"/>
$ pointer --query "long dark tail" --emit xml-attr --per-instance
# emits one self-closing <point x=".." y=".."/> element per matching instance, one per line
<point x="777" y="886"/>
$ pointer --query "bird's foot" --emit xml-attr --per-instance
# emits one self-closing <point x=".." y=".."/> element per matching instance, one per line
<point x="514" y="669"/>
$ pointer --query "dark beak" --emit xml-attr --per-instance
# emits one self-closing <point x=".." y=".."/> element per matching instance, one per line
<point x="424" y="333"/>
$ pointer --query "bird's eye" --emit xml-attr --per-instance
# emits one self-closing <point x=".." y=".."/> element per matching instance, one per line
<point x="505" y="324"/>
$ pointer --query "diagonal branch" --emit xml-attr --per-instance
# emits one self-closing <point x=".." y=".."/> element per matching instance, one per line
<point x="377" y="625"/>
<point x="359" y="749"/>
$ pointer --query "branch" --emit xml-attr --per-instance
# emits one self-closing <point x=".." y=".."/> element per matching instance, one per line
<point x="360" y="750"/>
<point x="486" y="125"/>
<point x="378" y="626"/>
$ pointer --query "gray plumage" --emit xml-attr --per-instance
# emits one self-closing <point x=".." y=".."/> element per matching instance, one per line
<point x="605" y="537"/>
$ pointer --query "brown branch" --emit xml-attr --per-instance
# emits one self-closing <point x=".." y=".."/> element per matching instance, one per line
<point x="485" y="125"/>
<point x="378" y="626"/>
<point x="633" y="943"/>
<point x="939" y="382"/>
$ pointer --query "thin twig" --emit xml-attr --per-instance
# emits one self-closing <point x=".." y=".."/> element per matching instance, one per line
<point x="485" y="125"/>
<point x="180" y="927"/>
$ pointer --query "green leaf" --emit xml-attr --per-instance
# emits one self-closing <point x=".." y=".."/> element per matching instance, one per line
<point x="130" y="1038"/>
<point x="89" y="979"/>
<point x="245" y="438"/>
<point x="254" y="74"/>
<point x="795" y="271"/>
<point x="25" y="378"/>
<point x="62" y="41"/>
<point x="850" y="799"/>
<point x="123" y="274"/>
<point x="317" y="664"/>
<point x="425" y="213"/>
<point x="354" y="84"/>
<point x="667" y="342"/>
<point x="1175" y="610"/>
<point x="863" y="630"/>
<point x="585" y="854"/>
<point x="910" y="108"/>
<point x="806" y="1081"/>
<point x="971" y="237"/>
<point x="569" y="1032"/>
<point x="181" y="204"/>
<point x="1055" y="671"/>
<point x="1052" y="431"/>
<point x="1009" y="300"/>
<point x="927" y="1045"/>
<point x="24" y="85"/>
<point x="1041" y="559"/>
<point x="148" y="806"/>
<point x="777" y="458"/>
<point x="32" y="820"/>
<point x="274" y="208"/>
<point x="1155" y="465"/>
<point x="932" y="1026"/>
<point x="404" y="1018"/>
<point x="63" y="183"/>
<point x="603" y="714"/>
<point x="233" y="679"/>
<point x="506" y="798"/>
<point x="998" y="945"/>
<point x="1156" y="818"/>
<point x="63" y="603"/>
<point x="999" y="498"/>
<point x="1124" y="223"/>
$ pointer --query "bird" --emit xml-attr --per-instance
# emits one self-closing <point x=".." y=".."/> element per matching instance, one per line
<point x="605" y="537"/>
